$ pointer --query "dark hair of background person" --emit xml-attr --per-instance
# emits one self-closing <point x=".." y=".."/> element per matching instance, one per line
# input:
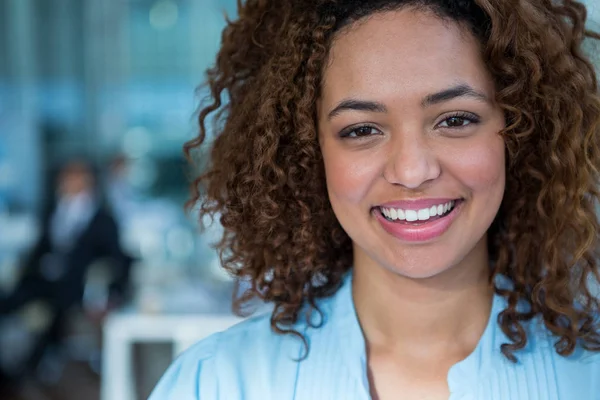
<point x="265" y="176"/>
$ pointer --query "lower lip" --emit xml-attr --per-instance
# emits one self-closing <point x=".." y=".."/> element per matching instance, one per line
<point x="424" y="231"/>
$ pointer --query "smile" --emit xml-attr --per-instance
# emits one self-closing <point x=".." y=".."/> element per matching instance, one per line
<point x="422" y="224"/>
<point x="423" y="214"/>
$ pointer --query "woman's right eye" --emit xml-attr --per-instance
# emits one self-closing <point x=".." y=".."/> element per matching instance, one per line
<point x="359" y="132"/>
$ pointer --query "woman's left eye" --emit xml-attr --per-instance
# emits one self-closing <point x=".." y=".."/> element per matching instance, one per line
<point x="458" y="121"/>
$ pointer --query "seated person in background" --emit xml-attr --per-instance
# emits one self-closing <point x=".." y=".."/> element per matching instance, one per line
<point x="77" y="232"/>
<point x="121" y="195"/>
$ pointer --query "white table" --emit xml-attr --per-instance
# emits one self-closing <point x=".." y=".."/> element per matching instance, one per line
<point x="123" y="329"/>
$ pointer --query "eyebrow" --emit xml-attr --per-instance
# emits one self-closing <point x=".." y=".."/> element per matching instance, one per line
<point x="357" y="105"/>
<point x="462" y="90"/>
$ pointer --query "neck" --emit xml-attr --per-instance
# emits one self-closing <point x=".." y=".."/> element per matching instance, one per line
<point x="442" y="312"/>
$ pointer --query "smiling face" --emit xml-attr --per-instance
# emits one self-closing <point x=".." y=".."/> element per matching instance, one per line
<point x="409" y="133"/>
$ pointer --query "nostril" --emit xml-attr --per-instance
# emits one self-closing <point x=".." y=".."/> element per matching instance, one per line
<point x="411" y="170"/>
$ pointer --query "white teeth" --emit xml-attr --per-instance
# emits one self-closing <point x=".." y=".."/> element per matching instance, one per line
<point x="417" y="215"/>
<point x="411" y="215"/>
<point x="423" y="214"/>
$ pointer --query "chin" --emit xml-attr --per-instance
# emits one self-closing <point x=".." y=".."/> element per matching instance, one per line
<point x="414" y="267"/>
<point x="418" y="272"/>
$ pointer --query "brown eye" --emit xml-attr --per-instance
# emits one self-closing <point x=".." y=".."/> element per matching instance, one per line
<point x="454" y="122"/>
<point x="360" y="131"/>
<point x="363" y="131"/>
<point x="459" y="121"/>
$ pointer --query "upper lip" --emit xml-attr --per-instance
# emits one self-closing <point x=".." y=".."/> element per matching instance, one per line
<point x="417" y="204"/>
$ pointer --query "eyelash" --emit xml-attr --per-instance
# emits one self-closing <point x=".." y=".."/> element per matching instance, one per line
<point x="467" y="116"/>
<point x="347" y="132"/>
<point x="471" y="118"/>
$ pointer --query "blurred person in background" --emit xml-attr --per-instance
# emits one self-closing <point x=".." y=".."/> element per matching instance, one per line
<point x="120" y="194"/>
<point x="412" y="184"/>
<point x="78" y="230"/>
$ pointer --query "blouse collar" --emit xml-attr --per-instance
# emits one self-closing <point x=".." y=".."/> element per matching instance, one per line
<point x="461" y="376"/>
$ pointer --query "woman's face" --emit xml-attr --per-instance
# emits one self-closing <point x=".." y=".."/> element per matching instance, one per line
<point x="409" y="132"/>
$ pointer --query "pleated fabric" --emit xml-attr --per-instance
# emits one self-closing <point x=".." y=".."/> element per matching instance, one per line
<point x="250" y="362"/>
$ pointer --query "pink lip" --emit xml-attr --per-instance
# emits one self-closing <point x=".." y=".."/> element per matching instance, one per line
<point x="421" y="232"/>
<point x="416" y="204"/>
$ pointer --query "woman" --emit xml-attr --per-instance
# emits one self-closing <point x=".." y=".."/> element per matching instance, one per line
<point x="412" y="185"/>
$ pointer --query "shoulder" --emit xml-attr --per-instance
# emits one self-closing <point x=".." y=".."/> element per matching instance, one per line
<point x="221" y="365"/>
<point x="579" y="373"/>
<point x="540" y="371"/>
<point x="251" y="361"/>
<point x="181" y="380"/>
<point x="577" y="368"/>
<point x="574" y="376"/>
<point x="253" y="345"/>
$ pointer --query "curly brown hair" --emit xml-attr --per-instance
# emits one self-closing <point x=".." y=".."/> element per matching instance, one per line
<point x="265" y="176"/>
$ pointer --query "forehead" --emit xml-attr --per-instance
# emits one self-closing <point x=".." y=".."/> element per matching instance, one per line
<point x="403" y="51"/>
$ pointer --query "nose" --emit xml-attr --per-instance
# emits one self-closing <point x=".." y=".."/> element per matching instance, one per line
<point x="411" y="162"/>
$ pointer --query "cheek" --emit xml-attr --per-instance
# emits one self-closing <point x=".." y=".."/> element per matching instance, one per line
<point x="349" y="175"/>
<point x="481" y="167"/>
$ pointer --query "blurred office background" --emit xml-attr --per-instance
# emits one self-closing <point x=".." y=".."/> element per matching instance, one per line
<point x="113" y="82"/>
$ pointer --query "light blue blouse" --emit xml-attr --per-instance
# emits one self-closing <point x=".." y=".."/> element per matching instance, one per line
<point x="250" y="362"/>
